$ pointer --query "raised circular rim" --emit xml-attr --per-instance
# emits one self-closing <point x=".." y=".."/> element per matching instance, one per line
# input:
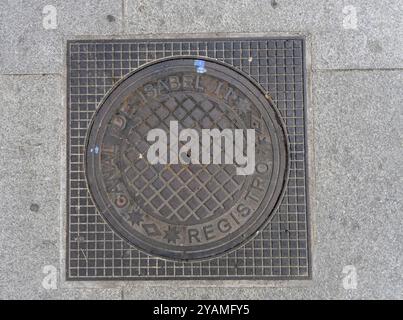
<point x="228" y="246"/>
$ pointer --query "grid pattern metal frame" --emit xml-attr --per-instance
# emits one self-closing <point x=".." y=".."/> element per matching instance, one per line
<point x="94" y="252"/>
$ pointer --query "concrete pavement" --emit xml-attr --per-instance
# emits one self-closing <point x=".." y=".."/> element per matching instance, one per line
<point x="355" y="134"/>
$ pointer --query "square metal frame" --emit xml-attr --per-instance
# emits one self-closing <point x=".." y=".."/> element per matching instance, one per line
<point x="280" y="252"/>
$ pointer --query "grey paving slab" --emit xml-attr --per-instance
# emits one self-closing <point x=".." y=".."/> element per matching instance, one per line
<point x="30" y="222"/>
<point x="374" y="41"/>
<point x="28" y="47"/>
<point x="359" y="198"/>
<point x="366" y="35"/>
<point x="359" y="175"/>
<point x="358" y="136"/>
<point x="223" y="16"/>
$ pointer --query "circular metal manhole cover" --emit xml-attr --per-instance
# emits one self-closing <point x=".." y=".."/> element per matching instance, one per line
<point x="179" y="205"/>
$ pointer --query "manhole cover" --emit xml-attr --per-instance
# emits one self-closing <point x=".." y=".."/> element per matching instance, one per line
<point x="179" y="204"/>
<point x="95" y="251"/>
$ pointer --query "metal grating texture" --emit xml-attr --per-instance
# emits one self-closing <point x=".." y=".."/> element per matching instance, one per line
<point x="95" y="252"/>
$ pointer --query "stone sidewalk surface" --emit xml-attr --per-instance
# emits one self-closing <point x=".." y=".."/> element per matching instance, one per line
<point x="355" y="110"/>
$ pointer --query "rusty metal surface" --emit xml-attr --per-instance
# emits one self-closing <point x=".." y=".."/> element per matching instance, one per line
<point x="96" y="252"/>
<point x="184" y="211"/>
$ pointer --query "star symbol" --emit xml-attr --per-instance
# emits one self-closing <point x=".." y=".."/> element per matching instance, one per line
<point x="135" y="218"/>
<point x="243" y="106"/>
<point x="171" y="234"/>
